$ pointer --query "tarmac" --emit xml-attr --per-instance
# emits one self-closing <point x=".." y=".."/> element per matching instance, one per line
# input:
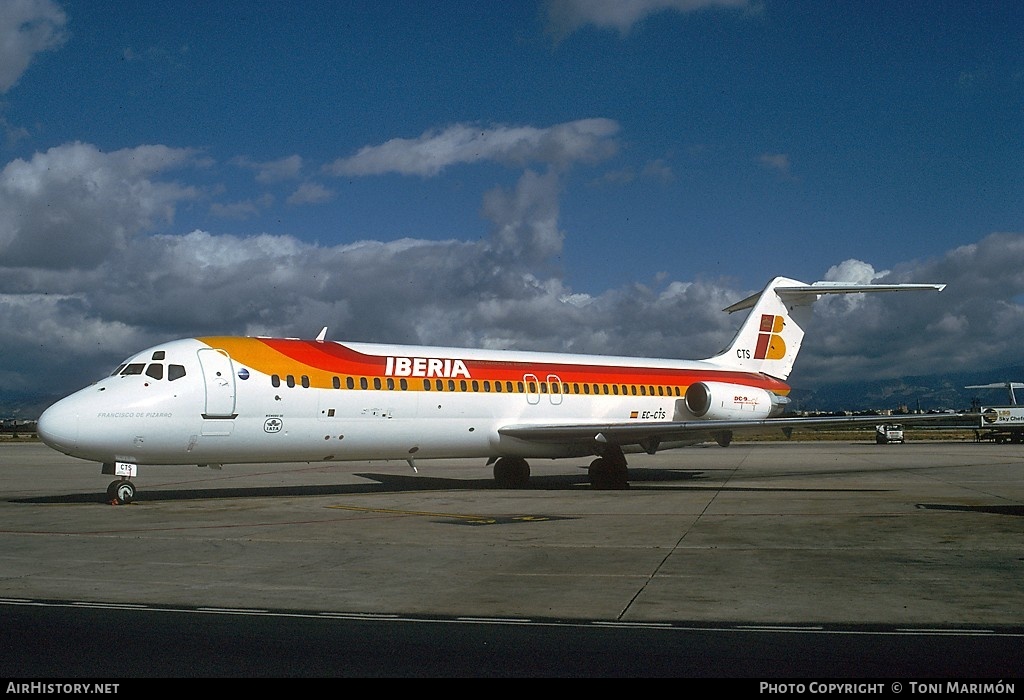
<point x="848" y="532"/>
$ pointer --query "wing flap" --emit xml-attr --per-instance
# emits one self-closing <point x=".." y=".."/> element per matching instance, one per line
<point x="648" y="433"/>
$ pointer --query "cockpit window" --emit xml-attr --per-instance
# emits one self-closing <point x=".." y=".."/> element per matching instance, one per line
<point x="159" y="355"/>
<point x="154" y="370"/>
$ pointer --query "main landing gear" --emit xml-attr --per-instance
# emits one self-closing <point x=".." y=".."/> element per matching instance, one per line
<point x="606" y="472"/>
<point x="609" y="471"/>
<point x="512" y="473"/>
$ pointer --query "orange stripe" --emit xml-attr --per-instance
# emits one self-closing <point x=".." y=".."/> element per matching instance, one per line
<point x="322" y="361"/>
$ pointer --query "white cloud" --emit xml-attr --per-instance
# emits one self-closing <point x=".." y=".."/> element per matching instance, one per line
<point x="83" y="272"/>
<point x="287" y="168"/>
<point x="853" y="272"/>
<point x="27" y="27"/>
<point x="481" y="294"/>
<point x="779" y="162"/>
<point x="73" y="204"/>
<point x="975" y="323"/>
<point x="566" y="16"/>
<point x="526" y="220"/>
<point x="310" y="193"/>
<point x="586" y="140"/>
<point x="243" y="209"/>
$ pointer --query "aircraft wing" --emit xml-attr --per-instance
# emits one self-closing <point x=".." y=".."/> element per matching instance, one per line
<point x="649" y="435"/>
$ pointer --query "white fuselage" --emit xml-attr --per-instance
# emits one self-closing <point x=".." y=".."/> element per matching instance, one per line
<point x="215" y="401"/>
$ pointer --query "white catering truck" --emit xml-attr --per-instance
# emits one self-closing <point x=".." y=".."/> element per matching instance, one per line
<point x="1002" y="424"/>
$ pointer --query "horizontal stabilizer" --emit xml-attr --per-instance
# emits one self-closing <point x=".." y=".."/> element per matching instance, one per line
<point x="769" y="339"/>
<point x="812" y="291"/>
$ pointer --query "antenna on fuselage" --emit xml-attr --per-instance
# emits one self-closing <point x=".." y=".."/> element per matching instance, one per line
<point x="322" y="335"/>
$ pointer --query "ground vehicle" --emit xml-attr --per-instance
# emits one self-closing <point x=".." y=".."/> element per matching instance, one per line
<point x="1002" y="424"/>
<point x="890" y="432"/>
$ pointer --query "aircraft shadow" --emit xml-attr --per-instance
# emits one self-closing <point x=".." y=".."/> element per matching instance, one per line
<point x="381" y="483"/>
<point x="995" y="510"/>
<point x="652" y="478"/>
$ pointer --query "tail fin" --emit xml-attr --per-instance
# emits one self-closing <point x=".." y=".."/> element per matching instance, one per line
<point x="770" y="337"/>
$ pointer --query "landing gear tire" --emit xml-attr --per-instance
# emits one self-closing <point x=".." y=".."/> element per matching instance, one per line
<point x="121" y="492"/>
<point x="512" y="473"/>
<point x="606" y="474"/>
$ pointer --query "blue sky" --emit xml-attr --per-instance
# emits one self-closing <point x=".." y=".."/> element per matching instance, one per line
<point x="564" y="175"/>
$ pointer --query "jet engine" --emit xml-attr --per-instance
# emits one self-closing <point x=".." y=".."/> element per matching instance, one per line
<point x="720" y="401"/>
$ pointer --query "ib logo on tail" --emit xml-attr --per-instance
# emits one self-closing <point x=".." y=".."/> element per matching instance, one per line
<point x="770" y="345"/>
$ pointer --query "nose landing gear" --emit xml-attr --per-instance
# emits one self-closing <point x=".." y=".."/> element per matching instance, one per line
<point x="121" y="492"/>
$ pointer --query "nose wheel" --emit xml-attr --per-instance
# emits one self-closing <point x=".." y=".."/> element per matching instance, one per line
<point x="121" y="492"/>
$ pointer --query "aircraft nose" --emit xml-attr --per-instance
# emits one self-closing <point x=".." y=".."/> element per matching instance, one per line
<point x="58" y="426"/>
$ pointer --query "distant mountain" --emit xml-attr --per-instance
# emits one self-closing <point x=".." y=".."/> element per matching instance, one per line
<point x="925" y="393"/>
<point x="23" y="405"/>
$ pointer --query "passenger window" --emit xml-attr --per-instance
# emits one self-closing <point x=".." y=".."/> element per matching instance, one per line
<point x="305" y="382"/>
<point x="290" y="381"/>
<point x="336" y="381"/>
<point x="350" y="383"/>
<point x="156" y="371"/>
<point x="275" y="380"/>
<point x="175" y="372"/>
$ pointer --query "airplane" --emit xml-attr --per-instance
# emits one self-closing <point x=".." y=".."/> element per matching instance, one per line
<point x="212" y="401"/>
<point x="1009" y="386"/>
<point x="1001" y="423"/>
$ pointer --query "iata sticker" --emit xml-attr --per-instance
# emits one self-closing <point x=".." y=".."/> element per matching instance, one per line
<point x="273" y="425"/>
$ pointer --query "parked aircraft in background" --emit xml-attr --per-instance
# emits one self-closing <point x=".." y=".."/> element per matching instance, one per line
<point x="1001" y="423"/>
<point x="1007" y="386"/>
<point x="218" y="400"/>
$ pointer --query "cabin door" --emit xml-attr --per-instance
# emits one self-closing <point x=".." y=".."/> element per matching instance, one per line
<point x="220" y="383"/>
